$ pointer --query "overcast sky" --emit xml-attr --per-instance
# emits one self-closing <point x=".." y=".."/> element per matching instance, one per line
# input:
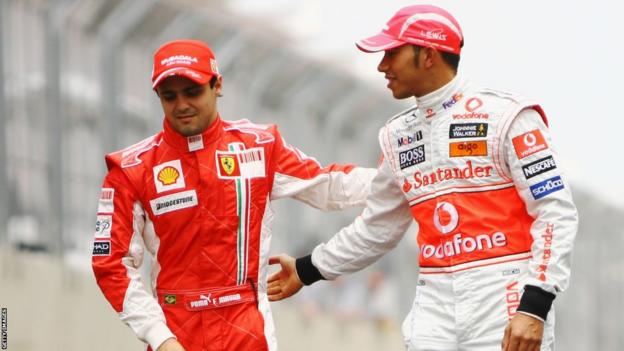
<point x="567" y="55"/>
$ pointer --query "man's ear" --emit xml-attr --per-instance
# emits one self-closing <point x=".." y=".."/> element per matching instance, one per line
<point x="218" y="86"/>
<point x="429" y="56"/>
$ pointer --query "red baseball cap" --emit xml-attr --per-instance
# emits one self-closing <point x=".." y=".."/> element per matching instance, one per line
<point x="423" y="25"/>
<point x="192" y="59"/>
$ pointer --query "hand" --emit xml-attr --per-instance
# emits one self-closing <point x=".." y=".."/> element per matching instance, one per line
<point x="170" y="344"/>
<point x="284" y="283"/>
<point x="523" y="333"/>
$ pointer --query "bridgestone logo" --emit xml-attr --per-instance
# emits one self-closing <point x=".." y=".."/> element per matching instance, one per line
<point x="174" y="202"/>
<point x="412" y="157"/>
<point x="540" y="166"/>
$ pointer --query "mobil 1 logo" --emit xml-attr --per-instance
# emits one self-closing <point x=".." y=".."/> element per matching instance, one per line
<point x="540" y="166"/>
<point x="412" y="157"/>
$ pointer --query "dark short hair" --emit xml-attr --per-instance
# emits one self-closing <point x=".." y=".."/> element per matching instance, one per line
<point x="450" y="59"/>
<point x="213" y="81"/>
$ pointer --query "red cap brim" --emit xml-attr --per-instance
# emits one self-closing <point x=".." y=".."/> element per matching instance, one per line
<point x="379" y="42"/>
<point x="196" y="76"/>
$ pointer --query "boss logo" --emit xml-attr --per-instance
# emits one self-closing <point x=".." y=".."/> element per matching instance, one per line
<point x="412" y="157"/>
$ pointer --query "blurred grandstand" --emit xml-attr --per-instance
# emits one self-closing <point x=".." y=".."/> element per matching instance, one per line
<point x="75" y="85"/>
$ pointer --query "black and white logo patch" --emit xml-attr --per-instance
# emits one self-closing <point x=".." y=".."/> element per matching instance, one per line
<point x="102" y="248"/>
<point x="468" y="130"/>
<point x="540" y="166"/>
<point x="412" y="156"/>
<point x="174" y="202"/>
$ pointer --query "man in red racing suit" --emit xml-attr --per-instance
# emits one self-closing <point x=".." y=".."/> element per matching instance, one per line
<point x="477" y="170"/>
<point x="197" y="197"/>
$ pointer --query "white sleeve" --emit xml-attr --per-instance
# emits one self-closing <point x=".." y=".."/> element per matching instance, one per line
<point x="329" y="188"/>
<point x="536" y="171"/>
<point x="376" y="231"/>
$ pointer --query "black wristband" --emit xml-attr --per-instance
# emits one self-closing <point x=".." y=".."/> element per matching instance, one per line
<point x="307" y="272"/>
<point x="536" y="301"/>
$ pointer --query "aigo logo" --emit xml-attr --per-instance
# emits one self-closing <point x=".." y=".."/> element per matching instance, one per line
<point x="445" y="209"/>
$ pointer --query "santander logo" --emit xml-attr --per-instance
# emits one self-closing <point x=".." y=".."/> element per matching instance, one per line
<point x="446" y="220"/>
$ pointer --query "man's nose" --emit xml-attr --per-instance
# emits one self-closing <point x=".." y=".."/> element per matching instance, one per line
<point x="182" y="103"/>
<point x="383" y="65"/>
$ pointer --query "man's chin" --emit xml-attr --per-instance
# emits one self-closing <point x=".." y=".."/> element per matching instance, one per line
<point x="399" y="95"/>
<point x="187" y="131"/>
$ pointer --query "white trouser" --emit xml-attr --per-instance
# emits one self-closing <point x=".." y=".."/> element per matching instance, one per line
<point x="468" y="310"/>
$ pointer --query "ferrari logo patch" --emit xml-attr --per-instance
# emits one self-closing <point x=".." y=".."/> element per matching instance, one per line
<point x="239" y="162"/>
<point x="228" y="163"/>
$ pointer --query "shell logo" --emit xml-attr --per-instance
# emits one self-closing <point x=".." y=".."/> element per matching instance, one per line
<point x="168" y="175"/>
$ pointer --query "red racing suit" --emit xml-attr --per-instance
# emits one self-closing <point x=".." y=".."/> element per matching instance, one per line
<point x="200" y="206"/>
<point x="476" y="169"/>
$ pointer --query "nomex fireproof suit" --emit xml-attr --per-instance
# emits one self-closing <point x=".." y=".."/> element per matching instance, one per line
<point x="201" y="206"/>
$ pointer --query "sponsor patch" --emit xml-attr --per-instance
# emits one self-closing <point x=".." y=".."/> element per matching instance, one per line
<point x="407" y="140"/>
<point x="546" y="187"/>
<point x="412" y="156"/>
<point x="450" y="103"/>
<point x="512" y="297"/>
<point x="241" y="164"/>
<point x="195" y="142"/>
<point x="103" y="226"/>
<point x="168" y="176"/>
<point x="228" y="165"/>
<point x="174" y="202"/>
<point x="468" y="130"/>
<point x="547" y="252"/>
<point x="106" y="204"/>
<point x="538" y="167"/>
<point x="170" y="299"/>
<point x="472" y="104"/>
<point x="451" y="173"/>
<point x="529" y="143"/>
<point x="468" y="148"/>
<point x="101" y="248"/>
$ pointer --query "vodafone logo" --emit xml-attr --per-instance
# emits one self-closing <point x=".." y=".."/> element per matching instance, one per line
<point x="473" y="104"/>
<point x="529" y="143"/>
<point x="445" y="217"/>
<point x="529" y="139"/>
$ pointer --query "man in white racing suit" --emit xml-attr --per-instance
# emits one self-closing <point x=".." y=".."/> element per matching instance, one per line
<point x="477" y="170"/>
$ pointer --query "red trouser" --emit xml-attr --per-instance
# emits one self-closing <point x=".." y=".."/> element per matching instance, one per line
<point x="215" y="319"/>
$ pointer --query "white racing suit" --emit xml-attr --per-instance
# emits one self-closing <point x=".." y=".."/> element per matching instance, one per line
<point x="476" y="169"/>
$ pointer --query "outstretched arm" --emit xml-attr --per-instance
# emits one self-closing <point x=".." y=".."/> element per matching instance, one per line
<point x="376" y="231"/>
<point x="329" y="188"/>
